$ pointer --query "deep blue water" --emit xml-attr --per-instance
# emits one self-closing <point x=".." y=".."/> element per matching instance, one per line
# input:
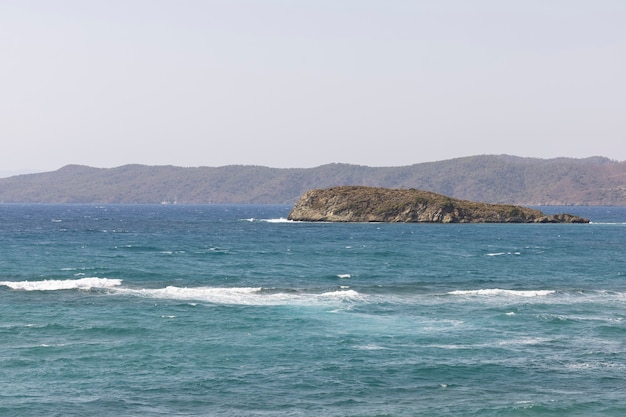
<point x="160" y="310"/>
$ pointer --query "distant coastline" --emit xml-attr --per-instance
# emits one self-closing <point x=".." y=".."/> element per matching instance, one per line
<point x="498" y="179"/>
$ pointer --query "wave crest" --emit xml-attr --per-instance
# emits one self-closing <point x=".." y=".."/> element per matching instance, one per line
<point x="66" y="284"/>
<point x="242" y="295"/>
<point x="501" y="292"/>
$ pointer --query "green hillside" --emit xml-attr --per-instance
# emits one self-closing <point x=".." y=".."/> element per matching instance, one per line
<point x="488" y="178"/>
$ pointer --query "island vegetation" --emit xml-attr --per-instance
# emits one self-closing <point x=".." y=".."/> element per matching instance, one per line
<point x="370" y="204"/>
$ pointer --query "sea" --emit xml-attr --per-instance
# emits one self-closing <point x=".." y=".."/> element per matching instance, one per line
<point x="232" y="310"/>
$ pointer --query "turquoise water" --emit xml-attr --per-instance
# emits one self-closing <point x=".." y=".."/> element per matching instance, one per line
<point x="160" y="310"/>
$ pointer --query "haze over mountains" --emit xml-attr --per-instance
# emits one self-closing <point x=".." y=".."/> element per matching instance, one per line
<point x="487" y="178"/>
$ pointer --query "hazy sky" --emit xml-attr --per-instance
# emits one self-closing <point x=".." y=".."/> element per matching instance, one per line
<point x="303" y="83"/>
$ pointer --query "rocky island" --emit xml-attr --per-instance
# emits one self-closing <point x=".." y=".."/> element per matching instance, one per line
<point x="371" y="204"/>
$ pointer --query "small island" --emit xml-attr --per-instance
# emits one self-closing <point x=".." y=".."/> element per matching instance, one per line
<point x="372" y="204"/>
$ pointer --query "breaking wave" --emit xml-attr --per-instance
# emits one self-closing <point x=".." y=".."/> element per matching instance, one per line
<point x="243" y="295"/>
<point x="216" y="295"/>
<point x="66" y="284"/>
<point x="277" y="220"/>
<point x="500" y="292"/>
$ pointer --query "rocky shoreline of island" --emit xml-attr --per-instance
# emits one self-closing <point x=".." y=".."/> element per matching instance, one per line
<point x="375" y="204"/>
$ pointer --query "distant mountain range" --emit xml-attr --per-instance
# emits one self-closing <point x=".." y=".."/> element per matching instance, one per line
<point x="486" y="178"/>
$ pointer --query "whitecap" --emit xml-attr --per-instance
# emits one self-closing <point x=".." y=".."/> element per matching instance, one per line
<point x="344" y="276"/>
<point x="501" y="292"/>
<point x="66" y="284"/>
<point x="243" y="295"/>
<point x="342" y="295"/>
<point x="594" y="365"/>
<point x="279" y="220"/>
<point x="217" y="295"/>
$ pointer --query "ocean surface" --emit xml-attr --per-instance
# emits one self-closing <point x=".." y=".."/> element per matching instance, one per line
<point x="230" y="310"/>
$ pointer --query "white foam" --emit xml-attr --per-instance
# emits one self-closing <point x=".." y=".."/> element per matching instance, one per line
<point x="595" y="365"/>
<point x="501" y="292"/>
<point x="344" y="276"/>
<point x="341" y="295"/>
<point x="279" y="220"/>
<point x="66" y="284"/>
<point x="242" y="295"/>
<point x="216" y="295"/>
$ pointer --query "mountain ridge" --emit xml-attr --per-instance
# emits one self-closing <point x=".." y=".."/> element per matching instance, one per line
<point x="502" y="179"/>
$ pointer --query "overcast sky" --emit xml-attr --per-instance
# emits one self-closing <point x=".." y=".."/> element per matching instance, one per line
<point x="288" y="83"/>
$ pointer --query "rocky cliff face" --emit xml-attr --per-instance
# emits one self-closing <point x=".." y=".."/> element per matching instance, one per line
<point x="369" y="204"/>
